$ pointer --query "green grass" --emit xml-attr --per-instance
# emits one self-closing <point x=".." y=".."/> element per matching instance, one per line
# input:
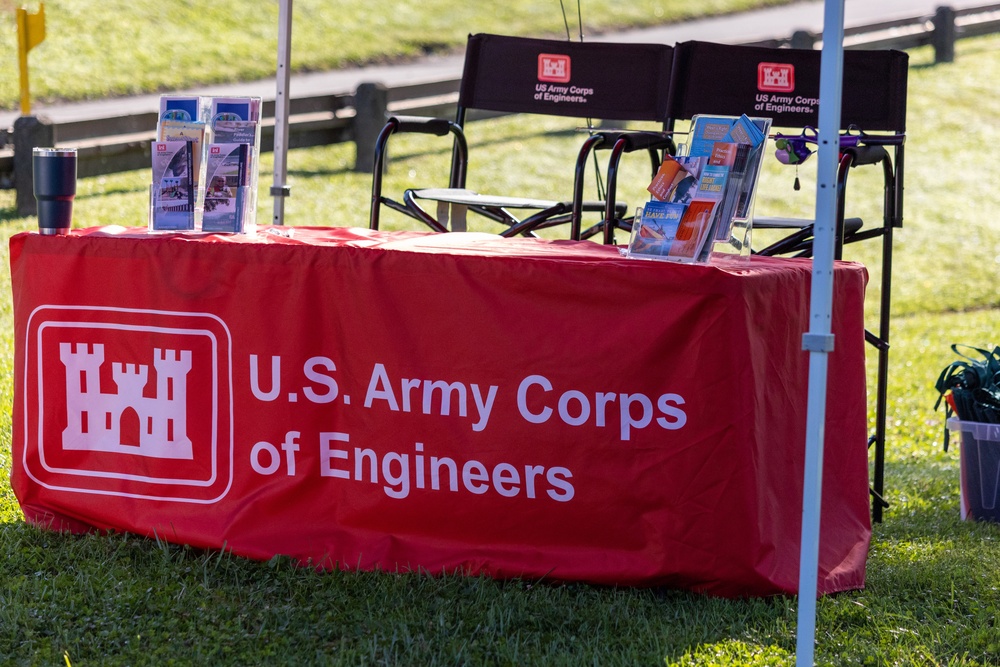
<point x="136" y="46"/>
<point x="933" y="587"/>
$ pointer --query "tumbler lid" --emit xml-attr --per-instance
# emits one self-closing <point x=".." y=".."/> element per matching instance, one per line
<point x="54" y="152"/>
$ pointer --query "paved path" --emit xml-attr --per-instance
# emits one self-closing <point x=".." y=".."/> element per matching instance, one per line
<point x="758" y="25"/>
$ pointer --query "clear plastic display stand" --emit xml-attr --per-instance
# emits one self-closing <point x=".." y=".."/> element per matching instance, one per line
<point x="704" y="197"/>
<point x="205" y="165"/>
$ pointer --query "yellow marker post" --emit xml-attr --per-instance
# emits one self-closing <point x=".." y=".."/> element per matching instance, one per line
<point x="30" y="33"/>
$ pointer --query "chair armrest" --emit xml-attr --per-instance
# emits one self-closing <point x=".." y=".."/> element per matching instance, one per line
<point x="867" y="154"/>
<point x="627" y="142"/>
<point x="422" y="124"/>
<point x="638" y="140"/>
<point x="771" y="222"/>
<point x="851" y="225"/>
<point x="438" y="127"/>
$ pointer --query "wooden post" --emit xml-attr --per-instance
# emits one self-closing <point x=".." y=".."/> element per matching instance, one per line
<point x="371" y="102"/>
<point x="29" y="132"/>
<point x="803" y="39"/>
<point x="944" y="35"/>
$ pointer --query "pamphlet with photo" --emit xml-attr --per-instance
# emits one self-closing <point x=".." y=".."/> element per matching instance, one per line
<point x="225" y="188"/>
<point x="192" y="131"/>
<point x="172" y="192"/>
<point x="181" y="108"/>
<point x="655" y="229"/>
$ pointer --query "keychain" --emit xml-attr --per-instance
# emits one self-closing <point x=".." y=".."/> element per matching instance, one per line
<point x="796" y="149"/>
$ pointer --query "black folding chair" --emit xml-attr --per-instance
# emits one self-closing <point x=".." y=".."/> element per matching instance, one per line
<point x="594" y="80"/>
<point x="783" y="84"/>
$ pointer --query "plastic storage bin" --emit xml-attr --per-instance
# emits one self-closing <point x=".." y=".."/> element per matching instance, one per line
<point x="980" y="464"/>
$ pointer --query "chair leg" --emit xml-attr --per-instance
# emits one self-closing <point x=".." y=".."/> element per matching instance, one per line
<point x="882" y="388"/>
<point x="576" y="217"/>
<point x="378" y="170"/>
<point x="414" y="209"/>
<point x="612" y="192"/>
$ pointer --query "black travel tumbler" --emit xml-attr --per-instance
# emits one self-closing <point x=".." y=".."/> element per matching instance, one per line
<point x="54" y="173"/>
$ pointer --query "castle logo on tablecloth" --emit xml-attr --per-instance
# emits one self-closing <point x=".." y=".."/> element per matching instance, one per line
<point x="127" y="420"/>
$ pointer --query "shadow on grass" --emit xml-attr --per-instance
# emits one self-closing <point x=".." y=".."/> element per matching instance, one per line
<point x="115" y="190"/>
<point x="10" y="214"/>
<point x="116" y="572"/>
<point x="473" y="619"/>
<point x="935" y="583"/>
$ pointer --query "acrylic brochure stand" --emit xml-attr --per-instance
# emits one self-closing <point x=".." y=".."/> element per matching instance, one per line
<point x="703" y="199"/>
<point x="205" y="165"/>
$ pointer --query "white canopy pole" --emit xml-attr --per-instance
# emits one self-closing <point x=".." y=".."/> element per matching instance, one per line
<point x="279" y="190"/>
<point x="819" y="339"/>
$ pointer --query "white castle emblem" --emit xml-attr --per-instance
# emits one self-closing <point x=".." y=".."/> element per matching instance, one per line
<point x="553" y="67"/>
<point x="777" y="77"/>
<point x="94" y="418"/>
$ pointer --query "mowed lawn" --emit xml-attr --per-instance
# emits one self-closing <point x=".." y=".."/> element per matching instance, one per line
<point x="933" y="581"/>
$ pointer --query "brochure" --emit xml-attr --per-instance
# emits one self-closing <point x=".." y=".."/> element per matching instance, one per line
<point x="706" y="131"/>
<point x="713" y="182"/>
<point x="182" y="108"/>
<point x="734" y="159"/>
<point x="677" y="178"/>
<point x="173" y="193"/>
<point x="744" y="131"/>
<point x="235" y="108"/>
<point x="693" y="231"/>
<point x="236" y="120"/>
<point x="193" y="131"/>
<point x="226" y="187"/>
<point x="235" y="132"/>
<point x="655" y="229"/>
<point x="669" y="174"/>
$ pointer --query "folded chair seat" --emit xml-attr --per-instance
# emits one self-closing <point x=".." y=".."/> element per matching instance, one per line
<point x="550" y="213"/>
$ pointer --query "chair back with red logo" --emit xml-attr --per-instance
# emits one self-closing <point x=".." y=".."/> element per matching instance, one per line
<point x="783" y="85"/>
<point x="603" y="81"/>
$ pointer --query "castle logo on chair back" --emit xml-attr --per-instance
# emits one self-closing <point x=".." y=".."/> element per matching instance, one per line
<point x="554" y="68"/>
<point x="775" y="77"/>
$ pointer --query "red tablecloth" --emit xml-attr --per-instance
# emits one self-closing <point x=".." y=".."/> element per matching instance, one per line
<point x="512" y="407"/>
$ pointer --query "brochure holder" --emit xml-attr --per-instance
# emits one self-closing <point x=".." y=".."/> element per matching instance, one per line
<point x="205" y="165"/>
<point x="703" y="198"/>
